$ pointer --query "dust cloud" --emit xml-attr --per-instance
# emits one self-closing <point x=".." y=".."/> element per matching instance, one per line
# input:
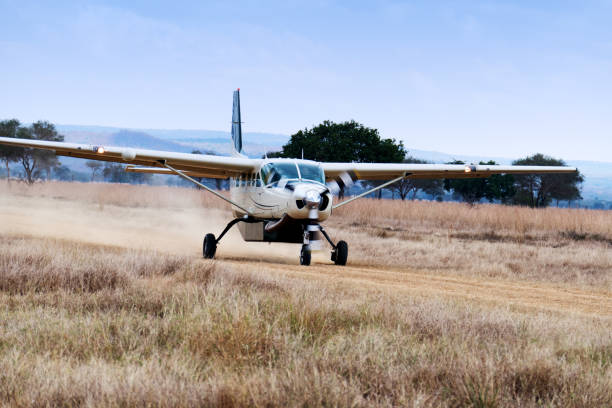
<point x="178" y="230"/>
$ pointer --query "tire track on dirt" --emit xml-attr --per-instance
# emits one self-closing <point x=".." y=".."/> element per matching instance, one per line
<point x="411" y="281"/>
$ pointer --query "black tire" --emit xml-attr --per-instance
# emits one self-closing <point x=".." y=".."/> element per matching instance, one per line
<point x="210" y="246"/>
<point x="340" y="254"/>
<point x="305" y="256"/>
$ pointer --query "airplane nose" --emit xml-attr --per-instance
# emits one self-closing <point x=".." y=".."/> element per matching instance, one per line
<point x="312" y="199"/>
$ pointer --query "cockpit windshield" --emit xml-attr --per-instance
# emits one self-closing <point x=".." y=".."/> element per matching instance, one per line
<point x="274" y="172"/>
<point x="311" y="172"/>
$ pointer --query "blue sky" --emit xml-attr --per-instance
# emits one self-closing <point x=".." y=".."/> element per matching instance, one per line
<point x="498" y="78"/>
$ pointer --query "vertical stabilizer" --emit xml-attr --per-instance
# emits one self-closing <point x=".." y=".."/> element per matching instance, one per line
<point x="237" y="124"/>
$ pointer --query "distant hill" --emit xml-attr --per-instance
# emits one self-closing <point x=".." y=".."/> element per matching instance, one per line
<point x="255" y="144"/>
<point x="593" y="168"/>
<point x="124" y="138"/>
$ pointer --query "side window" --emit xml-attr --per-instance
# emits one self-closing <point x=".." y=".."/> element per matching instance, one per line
<point x="265" y="173"/>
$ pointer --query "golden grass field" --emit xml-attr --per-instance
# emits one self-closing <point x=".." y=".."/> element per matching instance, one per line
<point x="105" y="301"/>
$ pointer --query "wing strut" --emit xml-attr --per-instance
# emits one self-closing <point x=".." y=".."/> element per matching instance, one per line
<point x="197" y="183"/>
<point x="370" y="191"/>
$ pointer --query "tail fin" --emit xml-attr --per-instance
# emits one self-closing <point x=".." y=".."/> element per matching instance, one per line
<point x="236" y="125"/>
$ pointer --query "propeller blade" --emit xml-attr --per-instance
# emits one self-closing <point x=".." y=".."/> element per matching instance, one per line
<point x="344" y="181"/>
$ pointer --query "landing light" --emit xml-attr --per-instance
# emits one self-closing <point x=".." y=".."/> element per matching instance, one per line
<point x="100" y="150"/>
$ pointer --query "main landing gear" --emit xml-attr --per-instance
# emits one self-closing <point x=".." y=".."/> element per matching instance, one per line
<point x="209" y="247"/>
<point x="339" y="253"/>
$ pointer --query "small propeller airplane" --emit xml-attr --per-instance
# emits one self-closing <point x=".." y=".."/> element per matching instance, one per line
<point x="275" y="200"/>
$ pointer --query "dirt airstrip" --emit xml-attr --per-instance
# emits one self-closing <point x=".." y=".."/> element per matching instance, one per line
<point x="179" y="230"/>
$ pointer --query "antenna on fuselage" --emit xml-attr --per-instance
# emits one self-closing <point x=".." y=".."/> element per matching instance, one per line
<point x="302" y="153"/>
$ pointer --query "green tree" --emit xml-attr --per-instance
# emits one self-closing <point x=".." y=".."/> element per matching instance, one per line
<point x="472" y="190"/>
<point x="538" y="190"/>
<point x="469" y="190"/>
<point x="8" y="154"/>
<point x="115" y="173"/>
<point x="63" y="173"/>
<point x="95" y="166"/>
<point x="433" y="187"/>
<point x="47" y="160"/>
<point x="342" y="142"/>
<point x="36" y="160"/>
<point x="499" y="186"/>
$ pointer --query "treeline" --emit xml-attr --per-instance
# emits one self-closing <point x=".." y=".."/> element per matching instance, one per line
<point x="327" y="142"/>
<point x="44" y="165"/>
<point x="353" y="142"/>
<point x="533" y="190"/>
<point x="115" y="173"/>
<point x="36" y="163"/>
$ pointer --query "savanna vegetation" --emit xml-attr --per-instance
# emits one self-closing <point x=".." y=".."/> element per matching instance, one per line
<point x="353" y="142"/>
<point x="122" y="317"/>
<point x="34" y="162"/>
<point x="329" y="141"/>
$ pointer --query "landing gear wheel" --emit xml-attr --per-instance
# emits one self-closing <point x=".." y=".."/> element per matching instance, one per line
<point x="340" y="254"/>
<point x="305" y="255"/>
<point x="210" y="246"/>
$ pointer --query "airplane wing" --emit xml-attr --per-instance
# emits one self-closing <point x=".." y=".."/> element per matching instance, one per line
<point x="195" y="165"/>
<point x="389" y="171"/>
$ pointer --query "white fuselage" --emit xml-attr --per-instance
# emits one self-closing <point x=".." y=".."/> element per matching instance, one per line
<point x="269" y="195"/>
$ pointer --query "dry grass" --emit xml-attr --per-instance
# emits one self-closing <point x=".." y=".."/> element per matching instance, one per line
<point x="566" y="246"/>
<point x="190" y="332"/>
<point x="489" y="222"/>
<point x="105" y="325"/>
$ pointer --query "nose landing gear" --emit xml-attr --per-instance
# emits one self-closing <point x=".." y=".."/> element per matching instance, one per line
<point x="339" y="252"/>
<point x="305" y="255"/>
